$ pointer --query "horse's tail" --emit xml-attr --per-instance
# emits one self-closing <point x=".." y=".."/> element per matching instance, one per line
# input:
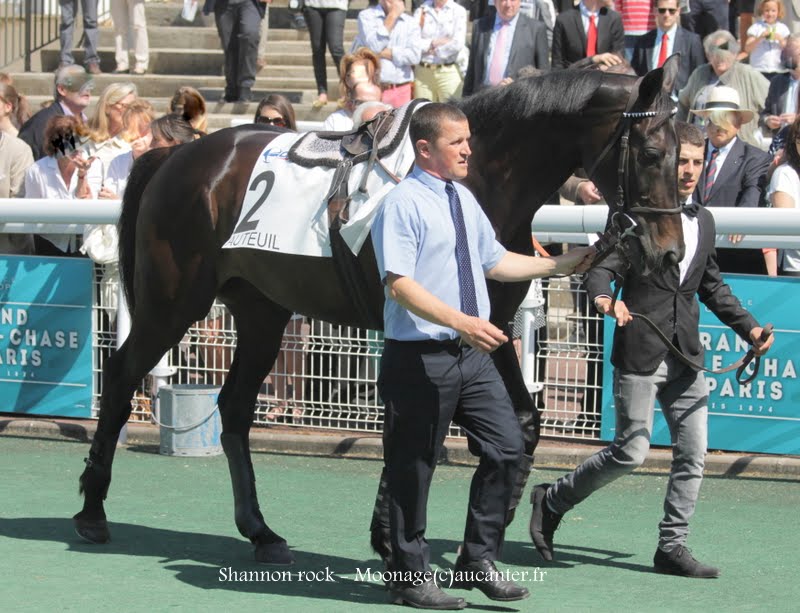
<point x="143" y="170"/>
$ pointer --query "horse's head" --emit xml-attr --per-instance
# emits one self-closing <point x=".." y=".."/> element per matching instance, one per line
<point x="640" y="181"/>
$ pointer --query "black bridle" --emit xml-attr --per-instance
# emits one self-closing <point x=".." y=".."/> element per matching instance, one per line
<point x="622" y="226"/>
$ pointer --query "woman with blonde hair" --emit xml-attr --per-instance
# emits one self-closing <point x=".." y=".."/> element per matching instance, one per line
<point x="136" y="119"/>
<point x="361" y="65"/>
<point x="104" y="141"/>
<point x="189" y="102"/>
<point x="14" y="110"/>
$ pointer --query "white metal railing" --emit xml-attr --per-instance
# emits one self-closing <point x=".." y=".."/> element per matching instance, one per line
<point x="328" y="372"/>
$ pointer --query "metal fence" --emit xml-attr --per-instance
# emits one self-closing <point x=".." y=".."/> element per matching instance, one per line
<point x="26" y="26"/>
<point x="325" y="376"/>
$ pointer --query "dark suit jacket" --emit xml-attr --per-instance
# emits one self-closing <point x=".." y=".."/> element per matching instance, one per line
<point x="528" y="48"/>
<point x="32" y="131"/>
<point x="671" y="305"/>
<point x="776" y="97"/>
<point x="741" y="180"/>
<point x="688" y="44"/>
<point x="569" y="38"/>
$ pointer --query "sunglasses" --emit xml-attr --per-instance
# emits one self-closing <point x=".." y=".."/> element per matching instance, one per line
<point x="665" y="11"/>
<point x="272" y="121"/>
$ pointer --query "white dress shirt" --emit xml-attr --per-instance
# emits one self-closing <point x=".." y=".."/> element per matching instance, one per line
<point x="721" y="156"/>
<point x="450" y="21"/>
<point x="403" y="40"/>
<point x="44" y="180"/>
<point x="691" y="235"/>
<point x="670" y="44"/>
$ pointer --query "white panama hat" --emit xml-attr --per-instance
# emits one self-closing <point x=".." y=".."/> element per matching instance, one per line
<point x="723" y="98"/>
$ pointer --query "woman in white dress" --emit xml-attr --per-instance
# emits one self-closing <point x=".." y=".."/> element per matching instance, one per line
<point x="784" y="193"/>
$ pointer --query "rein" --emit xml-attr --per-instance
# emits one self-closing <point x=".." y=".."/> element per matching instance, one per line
<point x="739" y="365"/>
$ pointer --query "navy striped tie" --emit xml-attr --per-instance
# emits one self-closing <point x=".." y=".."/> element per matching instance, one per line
<point x="469" y="302"/>
<point x="711" y="170"/>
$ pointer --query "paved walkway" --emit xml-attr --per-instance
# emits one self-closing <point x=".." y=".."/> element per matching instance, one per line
<point x="175" y="546"/>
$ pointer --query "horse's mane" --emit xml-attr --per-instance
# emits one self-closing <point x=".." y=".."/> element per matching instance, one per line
<point x="556" y="94"/>
<point x="560" y="92"/>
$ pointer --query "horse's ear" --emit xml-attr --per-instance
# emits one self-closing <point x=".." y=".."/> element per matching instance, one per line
<point x="659" y="80"/>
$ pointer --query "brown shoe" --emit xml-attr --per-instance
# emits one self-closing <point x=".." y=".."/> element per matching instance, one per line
<point x="93" y="68"/>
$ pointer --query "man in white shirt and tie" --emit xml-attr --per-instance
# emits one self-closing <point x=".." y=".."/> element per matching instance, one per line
<point x="653" y="48"/>
<point x="502" y="44"/>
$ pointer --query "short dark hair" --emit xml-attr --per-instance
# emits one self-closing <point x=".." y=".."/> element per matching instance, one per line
<point x="174" y="128"/>
<point x="790" y="149"/>
<point x="689" y="134"/>
<point x="427" y="121"/>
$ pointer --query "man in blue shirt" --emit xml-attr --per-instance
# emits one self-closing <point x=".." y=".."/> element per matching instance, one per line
<point x="435" y="247"/>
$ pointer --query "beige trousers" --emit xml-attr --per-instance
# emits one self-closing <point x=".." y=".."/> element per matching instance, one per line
<point x="129" y="20"/>
<point x="437" y="84"/>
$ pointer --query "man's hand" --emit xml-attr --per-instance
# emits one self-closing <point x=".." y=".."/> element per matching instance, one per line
<point x="735" y="238"/>
<point x="576" y="260"/>
<point x="607" y="59"/>
<point x="773" y="122"/>
<point x="760" y="347"/>
<point x="588" y="192"/>
<point x="480" y="334"/>
<point x="620" y="313"/>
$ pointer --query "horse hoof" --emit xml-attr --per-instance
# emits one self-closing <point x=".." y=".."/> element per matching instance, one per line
<point x="276" y="554"/>
<point x="93" y="530"/>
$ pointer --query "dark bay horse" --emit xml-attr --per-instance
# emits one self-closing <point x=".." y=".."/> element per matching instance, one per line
<point x="181" y="205"/>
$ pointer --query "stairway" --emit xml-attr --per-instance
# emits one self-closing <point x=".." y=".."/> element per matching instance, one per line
<point x="183" y="53"/>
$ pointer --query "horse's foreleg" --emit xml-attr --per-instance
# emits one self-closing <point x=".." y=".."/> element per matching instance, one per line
<point x="260" y="326"/>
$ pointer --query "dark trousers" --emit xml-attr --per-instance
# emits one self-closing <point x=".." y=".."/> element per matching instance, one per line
<point x="425" y="386"/>
<point x="707" y="16"/>
<point x="238" y="26"/>
<point x="325" y="25"/>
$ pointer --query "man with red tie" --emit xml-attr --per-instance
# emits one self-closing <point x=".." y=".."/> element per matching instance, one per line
<point x="588" y="30"/>
<point x="667" y="39"/>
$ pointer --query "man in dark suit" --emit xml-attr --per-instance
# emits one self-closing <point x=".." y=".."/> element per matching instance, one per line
<point x="780" y="107"/>
<point x="653" y="48"/>
<point x="644" y="370"/>
<point x="73" y="93"/>
<point x="523" y="42"/>
<point x="588" y="30"/>
<point x="735" y="173"/>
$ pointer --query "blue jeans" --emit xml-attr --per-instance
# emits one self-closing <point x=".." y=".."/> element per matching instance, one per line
<point x="683" y="395"/>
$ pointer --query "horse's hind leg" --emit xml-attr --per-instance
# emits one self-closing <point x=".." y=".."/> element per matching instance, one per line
<point x="259" y="324"/>
<point x="122" y="373"/>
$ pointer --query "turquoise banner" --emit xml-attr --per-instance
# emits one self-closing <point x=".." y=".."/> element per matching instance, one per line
<point x="46" y="335"/>
<point x="763" y="416"/>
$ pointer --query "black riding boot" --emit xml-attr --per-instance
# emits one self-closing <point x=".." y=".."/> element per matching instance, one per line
<point x="524" y="471"/>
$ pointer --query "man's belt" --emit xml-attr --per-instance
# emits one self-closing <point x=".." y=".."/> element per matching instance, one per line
<point x="434" y="66"/>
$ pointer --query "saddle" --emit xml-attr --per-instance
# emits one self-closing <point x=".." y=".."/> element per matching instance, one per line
<point x="371" y="141"/>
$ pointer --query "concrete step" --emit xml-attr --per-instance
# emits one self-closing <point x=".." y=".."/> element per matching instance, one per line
<point x="220" y="114"/>
<point x="162" y="86"/>
<point x="169" y="14"/>
<point x="167" y="37"/>
<point x="197" y="62"/>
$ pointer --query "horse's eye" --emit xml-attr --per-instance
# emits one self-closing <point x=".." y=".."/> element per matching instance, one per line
<point x="651" y="156"/>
